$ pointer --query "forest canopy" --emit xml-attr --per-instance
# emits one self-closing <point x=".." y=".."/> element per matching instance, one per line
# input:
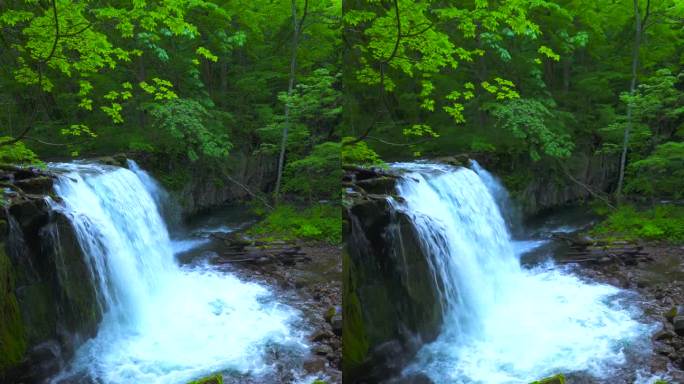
<point x="522" y="80"/>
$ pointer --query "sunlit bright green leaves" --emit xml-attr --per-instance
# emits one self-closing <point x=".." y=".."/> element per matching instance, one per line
<point x="76" y="40"/>
<point x="78" y="130"/>
<point x="425" y="38"/>
<point x="201" y="51"/>
<point x="420" y="130"/>
<point x="159" y="89"/>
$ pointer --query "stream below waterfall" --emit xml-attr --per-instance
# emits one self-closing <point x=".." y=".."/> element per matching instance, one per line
<point x="164" y="320"/>
<point x="512" y="315"/>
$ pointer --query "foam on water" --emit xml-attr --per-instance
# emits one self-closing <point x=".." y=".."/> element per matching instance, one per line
<point x="505" y="324"/>
<point x="162" y="323"/>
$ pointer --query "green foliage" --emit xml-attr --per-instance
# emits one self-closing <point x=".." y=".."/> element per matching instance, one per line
<point x="213" y="379"/>
<point x="520" y="80"/>
<point x="18" y="153"/>
<point x="531" y="122"/>
<point x="556" y="379"/>
<point x="415" y="39"/>
<point x="321" y="222"/>
<point x="316" y="176"/>
<point x="314" y="109"/>
<point x="359" y="153"/>
<point x="663" y="222"/>
<point x="656" y="112"/>
<point x="52" y="48"/>
<point x="661" y="174"/>
<point x="190" y="129"/>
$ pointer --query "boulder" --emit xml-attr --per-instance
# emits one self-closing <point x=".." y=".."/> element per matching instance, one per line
<point x="48" y="303"/>
<point x="35" y="185"/>
<point x="378" y="185"/>
<point x="390" y="293"/>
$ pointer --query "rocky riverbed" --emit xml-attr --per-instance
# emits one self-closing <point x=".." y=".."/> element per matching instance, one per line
<point x="658" y="279"/>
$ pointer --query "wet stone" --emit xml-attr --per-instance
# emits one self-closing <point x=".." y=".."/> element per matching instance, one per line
<point x="323" y="350"/>
<point x="316" y="364"/>
<point x="678" y="322"/>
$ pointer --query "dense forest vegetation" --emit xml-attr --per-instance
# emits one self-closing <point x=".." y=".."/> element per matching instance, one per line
<point x="536" y="87"/>
<point x="188" y="85"/>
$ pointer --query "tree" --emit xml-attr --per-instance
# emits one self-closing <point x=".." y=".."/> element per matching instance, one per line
<point x="64" y="44"/>
<point x="415" y="42"/>
<point x="297" y="26"/>
<point x="638" y="32"/>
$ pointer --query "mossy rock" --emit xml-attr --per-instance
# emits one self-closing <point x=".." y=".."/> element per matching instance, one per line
<point x="354" y="341"/>
<point x="390" y="296"/>
<point x="36" y="185"/>
<point x="213" y="379"/>
<point x="378" y="185"/>
<point x="12" y="337"/>
<point x="557" y="379"/>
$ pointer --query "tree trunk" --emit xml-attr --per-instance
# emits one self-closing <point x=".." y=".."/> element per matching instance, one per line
<point x="290" y="88"/>
<point x="632" y="89"/>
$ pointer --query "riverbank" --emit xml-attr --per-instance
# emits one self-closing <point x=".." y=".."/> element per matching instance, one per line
<point x="658" y="278"/>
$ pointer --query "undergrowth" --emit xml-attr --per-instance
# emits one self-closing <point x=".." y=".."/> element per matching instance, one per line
<point x="663" y="222"/>
<point x="320" y="222"/>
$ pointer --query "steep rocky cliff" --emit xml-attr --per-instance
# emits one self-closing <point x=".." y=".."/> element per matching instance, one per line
<point x="48" y="304"/>
<point x="390" y="297"/>
<point x="195" y="187"/>
<point x="539" y="186"/>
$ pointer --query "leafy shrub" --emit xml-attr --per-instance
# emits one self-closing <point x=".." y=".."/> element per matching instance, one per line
<point x="18" y="154"/>
<point x="191" y="129"/>
<point x="663" y="222"/>
<point x="316" y="176"/>
<point x="536" y="124"/>
<point x="659" y="175"/>
<point x="359" y="153"/>
<point x="320" y="222"/>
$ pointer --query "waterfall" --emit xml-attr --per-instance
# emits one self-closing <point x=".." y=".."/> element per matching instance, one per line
<point x="504" y="323"/>
<point x="510" y="212"/>
<point x="163" y="322"/>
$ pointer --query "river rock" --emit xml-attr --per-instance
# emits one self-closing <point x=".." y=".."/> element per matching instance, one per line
<point x="664" y="349"/>
<point x="321" y="334"/>
<point x="315" y="364"/>
<point x="323" y="350"/>
<point x="678" y="322"/>
<point x="663" y="335"/>
<point x="336" y="322"/>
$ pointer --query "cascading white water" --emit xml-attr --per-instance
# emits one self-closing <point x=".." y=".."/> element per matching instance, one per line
<point x="162" y="323"/>
<point x="504" y="324"/>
